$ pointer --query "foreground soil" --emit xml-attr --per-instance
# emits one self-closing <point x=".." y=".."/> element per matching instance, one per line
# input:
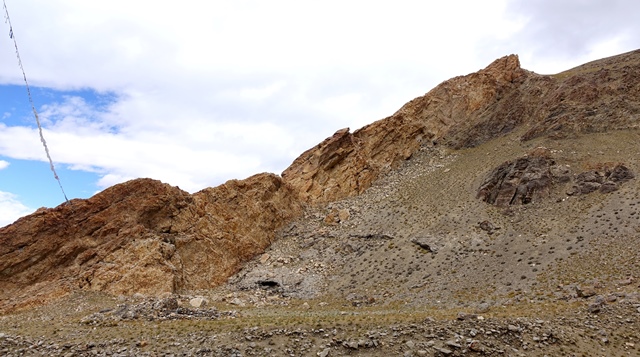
<point x="91" y="324"/>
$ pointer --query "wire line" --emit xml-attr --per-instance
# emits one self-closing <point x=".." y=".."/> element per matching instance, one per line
<point x="33" y="107"/>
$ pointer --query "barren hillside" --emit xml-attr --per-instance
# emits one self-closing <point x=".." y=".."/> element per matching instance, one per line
<point x="498" y="215"/>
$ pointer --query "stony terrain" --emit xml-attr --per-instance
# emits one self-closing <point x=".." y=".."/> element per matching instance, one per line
<point x="497" y="215"/>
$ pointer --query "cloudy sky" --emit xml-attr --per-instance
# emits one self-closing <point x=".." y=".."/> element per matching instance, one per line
<point x="194" y="93"/>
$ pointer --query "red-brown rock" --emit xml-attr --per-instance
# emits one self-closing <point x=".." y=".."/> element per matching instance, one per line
<point x="142" y="236"/>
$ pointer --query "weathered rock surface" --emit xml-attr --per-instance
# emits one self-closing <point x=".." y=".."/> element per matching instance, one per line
<point x="142" y="236"/>
<point x="606" y="179"/>
<point x="519" y="181"/>
<point x="531" y="177"/>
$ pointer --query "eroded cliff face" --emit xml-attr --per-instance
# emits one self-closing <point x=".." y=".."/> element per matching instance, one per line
<point x="469" y="110"/>
<point x="230" y="224"/>
<point x="142" y="236"/>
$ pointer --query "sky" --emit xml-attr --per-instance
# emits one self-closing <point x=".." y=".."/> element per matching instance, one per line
<point x="194" y="93"/>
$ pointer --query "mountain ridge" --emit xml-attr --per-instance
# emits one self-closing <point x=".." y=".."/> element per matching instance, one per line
<point x="496" y="215"/>
<point x="192" y="242"/>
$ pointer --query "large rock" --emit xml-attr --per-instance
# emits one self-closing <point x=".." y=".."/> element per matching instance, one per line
<point x="518" y="182"/>
<point x="142" y="236"/>
<point x="605" y="179"/>
<point x="531" y="177"/>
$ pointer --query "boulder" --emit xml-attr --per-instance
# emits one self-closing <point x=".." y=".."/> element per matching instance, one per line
<point x="517" y="182"/>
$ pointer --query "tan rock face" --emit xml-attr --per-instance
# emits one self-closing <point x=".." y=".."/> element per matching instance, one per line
<point x="142" y="237"/>
<point x="229" y="225"/>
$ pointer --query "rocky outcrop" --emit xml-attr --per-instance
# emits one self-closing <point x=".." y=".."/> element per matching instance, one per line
<point x="607" y="178"/>
<point x="519" y="181"/>
<point x="142" y="236"/>
<point x="598" y="96"/>
<point x="146" y="237"/>
<point x="469" y="110"/>
<point x="529" y="178"/>
<point x="230" y="224"/>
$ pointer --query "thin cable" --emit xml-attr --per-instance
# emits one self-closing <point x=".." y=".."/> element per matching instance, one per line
<point x="33" y="107"/>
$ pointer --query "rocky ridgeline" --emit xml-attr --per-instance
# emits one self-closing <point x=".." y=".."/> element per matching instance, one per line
<point x="147" y="237"/>
<point x="469" y="110"/>
<point x="347" y="163"/>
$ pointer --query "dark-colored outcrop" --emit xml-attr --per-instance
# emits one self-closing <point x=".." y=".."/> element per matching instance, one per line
<point x="607" y="178"/>
<point x="532" y="177"/>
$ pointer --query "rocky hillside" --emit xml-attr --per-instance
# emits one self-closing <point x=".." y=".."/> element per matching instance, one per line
<point x="502" y="194"/>
<point x="469" y="110"/>
<point x="142" y="236"/>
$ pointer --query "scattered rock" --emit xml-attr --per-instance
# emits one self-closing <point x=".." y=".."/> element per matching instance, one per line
<point x="625" y="282"/>
<point x="264" y="258"/>
<point x="465" y="316"/>
<point x="427" y="243"/>
<point x="198" y="302"/>
<point x="453" y="344"/>
<point x="476" y="346"/>
<point x="488" y="227"/>
<point x="585" y="291"/>
<point x="594" y="308"/>
<point x="237" y="301"/>
<point x="513" y="328"/>
<point x="444" y="351"/>
<point x="152" y="309"/>
<point x="166" y="304"/>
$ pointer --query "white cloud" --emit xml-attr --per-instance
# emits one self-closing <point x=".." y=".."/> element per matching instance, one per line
<point x="3" y="164"/>
<point x="11" y="208"/>
<point x="558" y="35"/>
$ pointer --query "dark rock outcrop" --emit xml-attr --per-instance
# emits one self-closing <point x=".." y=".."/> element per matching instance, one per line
<point x="531" y="177"/>
<point x="607" y="179"/>
<point x="518" y="182"/>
